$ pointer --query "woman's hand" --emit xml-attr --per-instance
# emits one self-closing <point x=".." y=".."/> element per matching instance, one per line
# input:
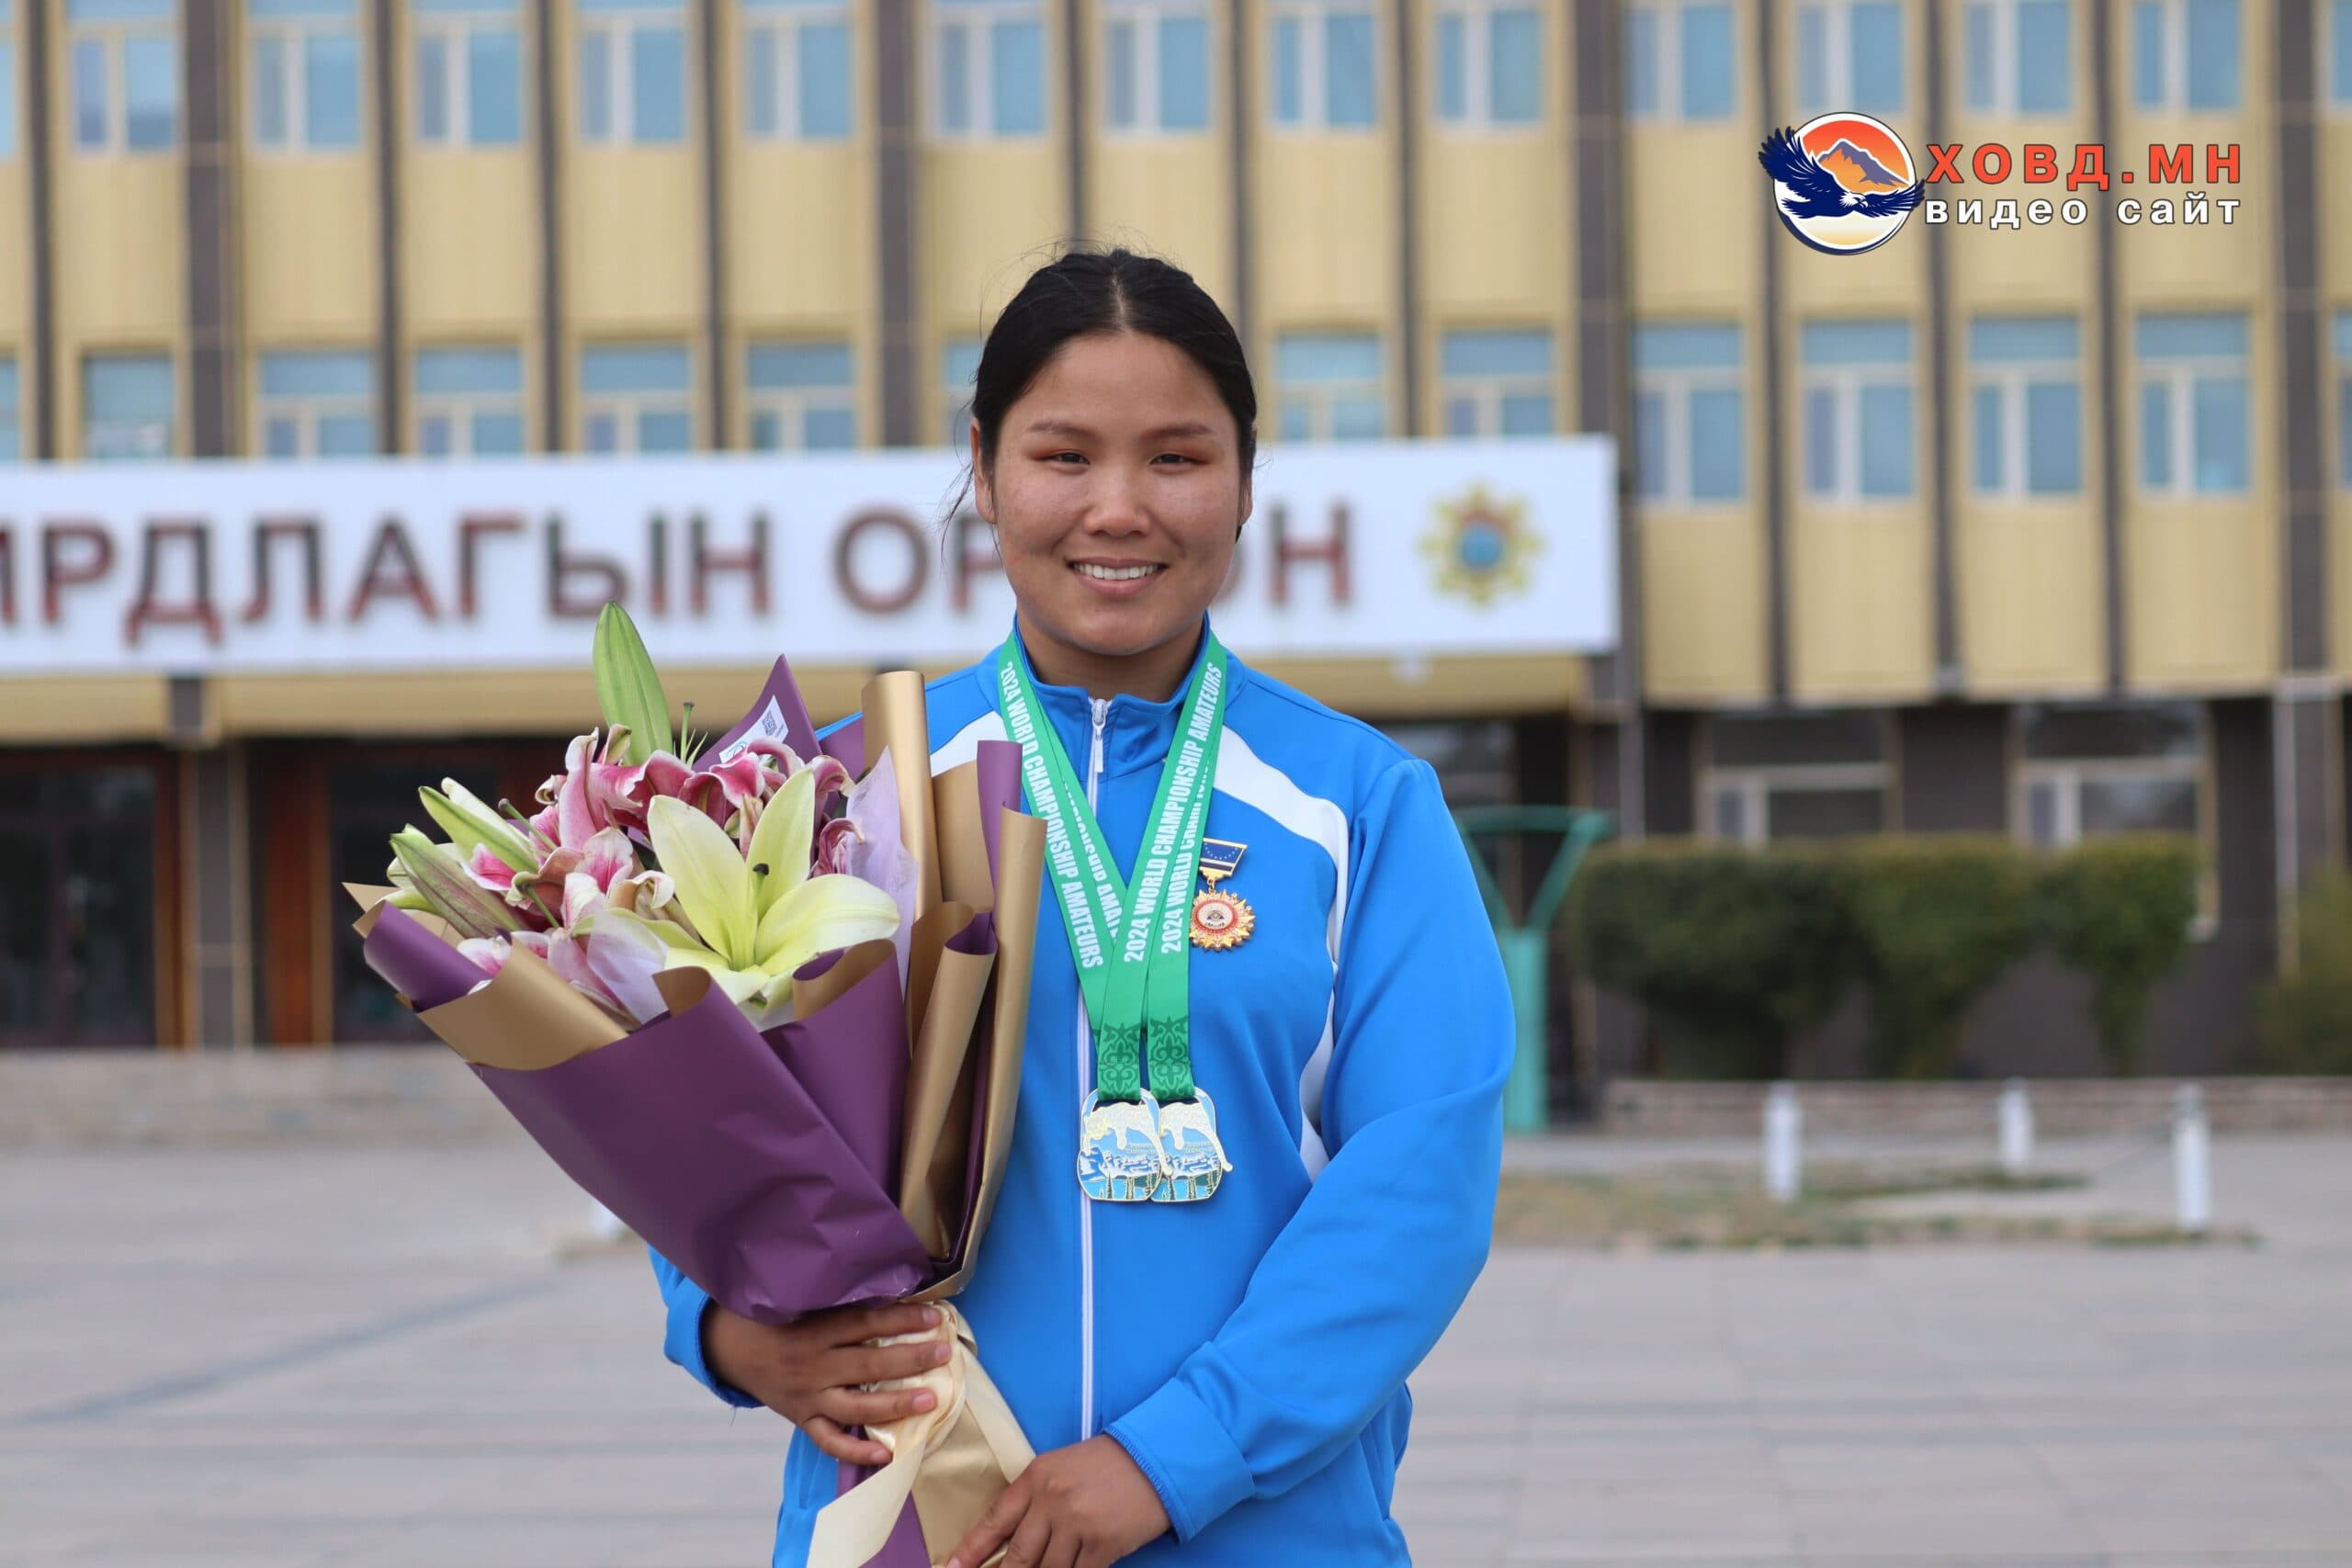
<point x="1083" y="1506"/>
<point x="809" y="1371"/>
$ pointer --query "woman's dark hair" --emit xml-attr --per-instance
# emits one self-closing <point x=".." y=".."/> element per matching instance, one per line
<point x="1086" y="292"/>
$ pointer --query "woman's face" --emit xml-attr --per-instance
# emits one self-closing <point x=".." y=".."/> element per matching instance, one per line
<point x="1117" y="493"/>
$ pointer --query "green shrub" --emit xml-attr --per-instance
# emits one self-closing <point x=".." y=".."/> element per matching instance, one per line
<point x="1734" y="954"/>
<point x="2119" y="911"/>
<point x="2304" y="1021"/>
<point x="1938" y="920"/>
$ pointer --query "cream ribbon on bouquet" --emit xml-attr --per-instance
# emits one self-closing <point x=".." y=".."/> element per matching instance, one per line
<point x="952" y="1460"/>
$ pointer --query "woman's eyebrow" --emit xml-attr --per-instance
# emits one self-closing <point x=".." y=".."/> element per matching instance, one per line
<point x="1161" y="433"/>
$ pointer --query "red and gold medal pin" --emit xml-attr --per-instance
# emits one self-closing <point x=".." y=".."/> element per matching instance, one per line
<point x="1220" y="920"/>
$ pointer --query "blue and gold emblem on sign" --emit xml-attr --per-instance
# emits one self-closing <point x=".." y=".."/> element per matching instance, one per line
<point x="1481" y="547"/>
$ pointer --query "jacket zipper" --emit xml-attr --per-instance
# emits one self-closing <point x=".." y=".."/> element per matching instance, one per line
<point x="1085" y="1204"/>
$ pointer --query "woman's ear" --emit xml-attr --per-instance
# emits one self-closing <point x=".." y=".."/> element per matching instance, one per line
<point x="1249" y="500"/>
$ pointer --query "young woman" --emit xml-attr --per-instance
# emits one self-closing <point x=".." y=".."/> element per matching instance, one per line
<point x="1250" y="1184"/>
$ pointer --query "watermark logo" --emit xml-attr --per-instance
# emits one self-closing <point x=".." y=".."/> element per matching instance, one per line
<point x="1843" y="183"/>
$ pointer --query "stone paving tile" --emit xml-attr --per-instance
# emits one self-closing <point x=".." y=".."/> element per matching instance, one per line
<point x="370" y="1358"/>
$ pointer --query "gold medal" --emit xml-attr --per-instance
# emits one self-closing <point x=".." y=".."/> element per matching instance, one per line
<point x="1220" y="920"/>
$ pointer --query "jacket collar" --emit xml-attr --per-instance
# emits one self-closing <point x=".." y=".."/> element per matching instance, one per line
<point x="1137" y="732"/>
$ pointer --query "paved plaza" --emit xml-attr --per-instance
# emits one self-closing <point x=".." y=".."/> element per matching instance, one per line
<point x="362" y="1357"/>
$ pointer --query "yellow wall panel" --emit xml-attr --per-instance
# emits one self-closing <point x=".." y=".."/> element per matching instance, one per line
<point x="469" y="252"/>
<point x="991" y="215"/>
<point x="121" y="257"/>
<point x="1325" y="229"/>
<point x="1169" y="195"/>
<point x="1494" y="225"/>
<point x="1673" y="262"/>
<point x="52" y="709"/>
<point x="1862" y="622"/>
<point x="308" y="244"/>
<point x="801" y="235"/>
<point x="1702" y="607"/>
<point x="2032" y="604"/>
<point x="16" y="253"/>
<point x="2336" y="217"/>
<point x="2201" y="592"/>
<point x="632" y="240"/>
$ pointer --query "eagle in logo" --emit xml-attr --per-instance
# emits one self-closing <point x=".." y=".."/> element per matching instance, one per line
<point x="1816" y="188"/>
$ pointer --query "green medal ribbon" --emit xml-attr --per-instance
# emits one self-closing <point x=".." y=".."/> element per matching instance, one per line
<point x="1131" y="945"/>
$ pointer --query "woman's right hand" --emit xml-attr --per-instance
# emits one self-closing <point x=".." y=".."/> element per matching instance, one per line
<point x="809" y="1370"/>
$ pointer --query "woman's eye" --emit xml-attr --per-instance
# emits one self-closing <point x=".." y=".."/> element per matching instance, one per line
<point x="1066" y="457"/>
<point x="1174" y="458"/>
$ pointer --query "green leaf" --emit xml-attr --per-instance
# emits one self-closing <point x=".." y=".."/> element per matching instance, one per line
<point x="629" y="689"/>
<point x="469" y="823"/>
<point x="469" y="907"/>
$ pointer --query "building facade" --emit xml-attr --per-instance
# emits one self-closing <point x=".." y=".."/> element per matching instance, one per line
<point x="2037" y="528"/>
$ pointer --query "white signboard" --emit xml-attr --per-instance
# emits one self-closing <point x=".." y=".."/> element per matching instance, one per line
<point x="1391" y="550"/>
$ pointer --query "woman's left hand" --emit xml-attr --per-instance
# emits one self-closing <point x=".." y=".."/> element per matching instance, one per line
<point x="1083" y="1507"/>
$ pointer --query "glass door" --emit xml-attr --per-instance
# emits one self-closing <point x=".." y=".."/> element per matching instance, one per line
<point x="78" y="906"/>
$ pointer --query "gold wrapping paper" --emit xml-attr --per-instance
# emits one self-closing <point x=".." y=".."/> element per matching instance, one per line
<point x="1021" y="866"/>
<point x="938" y="1123"/>
<point x="895" y="721"/>
<point x="952" y="1460"/>
<point x="963" y="851"/>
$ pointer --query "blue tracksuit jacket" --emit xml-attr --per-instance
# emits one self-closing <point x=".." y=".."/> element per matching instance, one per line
<point x="1250" y="1351"/>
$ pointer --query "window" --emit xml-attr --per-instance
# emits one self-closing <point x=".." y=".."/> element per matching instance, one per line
<point x="126" y="408"/>
<point x="959" y="367"/>
<point x="8" y="79"/>
<point x="1156" y="66"/>
<point x="804" y="397"/>
<point x="1678" y="59"/>
<point x="1799" y="776"/>
<point x="2344" y="399"/>
<point x="125" y="61"/>
<point x="468" y="402"/>
<point x="797" y="71"/>
<point x="1323" y="58"/>
<point x="2185" y="54"/>
<point x="2018" y="57"/>
<point x="1850" y="56"/>
<point x="1489" y="63"/>
<point x="468" y="75"/>
<point x="1330" y="387"/>
<point x="1690" y="423"/>
<point x="318" y="403"/>
<point x="1858" y="434"/>
<point x="12" y="430"/>
<point x="1498" y="383"/>
<point x="2194" y="395"/>
<point x="989" y="56"/>
<point x="2339" y="52"/>
<point x="306" y="88"/>
<point x="2027" y="404"/>
<point x="2088" y="771"/>
<point x="633" y="71"/>
<point x="637" y="398"/>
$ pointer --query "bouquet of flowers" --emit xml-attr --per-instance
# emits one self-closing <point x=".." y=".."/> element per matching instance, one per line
<point x="762" y="997"/>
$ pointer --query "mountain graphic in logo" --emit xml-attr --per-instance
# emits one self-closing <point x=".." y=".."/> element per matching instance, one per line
<point x="1857" y="170"/>
<point x="1843" y="183"/>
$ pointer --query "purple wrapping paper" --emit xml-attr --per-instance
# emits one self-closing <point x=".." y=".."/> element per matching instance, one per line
<point x="999" y="764"/>
<point x="695" y="1133"/>
<point x="857" y="1086"/>
<point x="417" y="963"/>
<point x="780" y="714"/>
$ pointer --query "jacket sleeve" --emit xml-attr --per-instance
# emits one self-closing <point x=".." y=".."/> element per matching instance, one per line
<point x="1373" y="1265"/>
<point x="682" y="1341"/>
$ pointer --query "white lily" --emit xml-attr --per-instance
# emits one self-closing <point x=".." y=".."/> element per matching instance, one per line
<point x="755" y="917"/>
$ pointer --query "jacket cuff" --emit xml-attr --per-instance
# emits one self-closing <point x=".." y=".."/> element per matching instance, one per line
<point x="681" y="1343"/>
<point x="1187" y="1455"/>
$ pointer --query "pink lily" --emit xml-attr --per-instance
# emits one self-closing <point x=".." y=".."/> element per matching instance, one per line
<point x="490" y="954"/>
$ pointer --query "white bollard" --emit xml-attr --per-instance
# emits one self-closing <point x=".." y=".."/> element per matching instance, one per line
<point x="2192" y="1162"/>
<point x="1783" y="1132"/>
<point x="2017" y="1128"/>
